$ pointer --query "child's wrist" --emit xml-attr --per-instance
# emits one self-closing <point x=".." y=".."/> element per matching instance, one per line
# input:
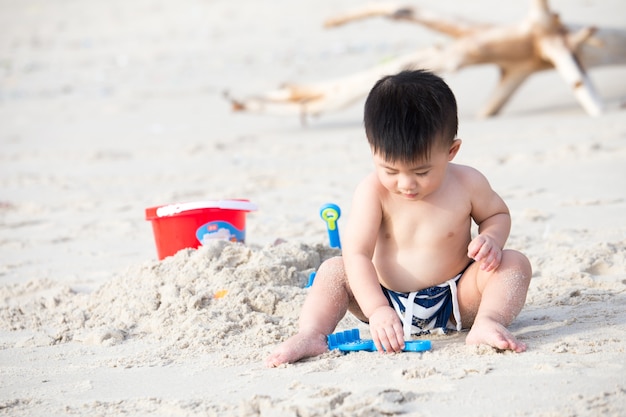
<point x="375" y="309"/>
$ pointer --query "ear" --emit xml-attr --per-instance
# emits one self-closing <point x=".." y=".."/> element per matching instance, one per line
<point x="454" y="149"/>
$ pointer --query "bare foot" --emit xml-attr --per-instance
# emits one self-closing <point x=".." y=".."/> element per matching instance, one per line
<point x="299" y="346"/>
<point x="490" y="332"/>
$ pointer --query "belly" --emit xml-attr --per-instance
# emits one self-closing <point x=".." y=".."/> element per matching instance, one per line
<point x="418" y="269"/>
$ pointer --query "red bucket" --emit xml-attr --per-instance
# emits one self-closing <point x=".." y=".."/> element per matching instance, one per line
<point x="188" y="225"/>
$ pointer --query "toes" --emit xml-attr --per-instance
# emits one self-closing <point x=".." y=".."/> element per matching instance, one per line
<point x="274" y="360"/>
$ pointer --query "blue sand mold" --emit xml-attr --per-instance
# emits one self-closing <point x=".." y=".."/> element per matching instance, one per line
<point x="350" y="341"/>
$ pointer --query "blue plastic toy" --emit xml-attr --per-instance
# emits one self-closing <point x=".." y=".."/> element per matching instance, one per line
<point x="350" y="341"/>
<point x="330" y="213"/>
<point x="311" y="279"/>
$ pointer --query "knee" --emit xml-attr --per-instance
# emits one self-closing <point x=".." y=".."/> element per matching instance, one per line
<point x="517" y="261"/>
<point x="332" y="274"/>
<point x="332" y="267"/>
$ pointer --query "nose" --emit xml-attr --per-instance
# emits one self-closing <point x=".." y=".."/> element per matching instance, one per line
<point x="406" y="182"/>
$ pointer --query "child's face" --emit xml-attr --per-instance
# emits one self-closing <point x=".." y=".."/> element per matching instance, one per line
<point x="416" y="180"/>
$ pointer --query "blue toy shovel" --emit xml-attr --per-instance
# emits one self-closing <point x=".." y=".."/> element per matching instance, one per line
<point x="350" y="341"/>
<point x="330" y="213"/>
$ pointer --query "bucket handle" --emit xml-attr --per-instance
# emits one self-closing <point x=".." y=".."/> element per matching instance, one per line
<point x="172" y="209"/>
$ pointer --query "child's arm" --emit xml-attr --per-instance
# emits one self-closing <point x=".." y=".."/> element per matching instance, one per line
<point x="492" y="216"/>
<point x="358" y="249"/>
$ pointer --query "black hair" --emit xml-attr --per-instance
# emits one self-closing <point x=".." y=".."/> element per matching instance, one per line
<point x="409" y="113"/>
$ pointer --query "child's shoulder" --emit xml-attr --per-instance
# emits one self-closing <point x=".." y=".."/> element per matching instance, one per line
<point x="469" y="177"/>
<point x="466" y="173"/>
<point x="369" y="181"/>
<point x="370" y="187"/>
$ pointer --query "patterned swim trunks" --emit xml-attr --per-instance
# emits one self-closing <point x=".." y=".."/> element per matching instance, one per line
<point x="428" y="309"/>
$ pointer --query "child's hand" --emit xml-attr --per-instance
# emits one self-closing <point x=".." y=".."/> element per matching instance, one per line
<point x="485" y="250"/>
<point x="386" y="330"/>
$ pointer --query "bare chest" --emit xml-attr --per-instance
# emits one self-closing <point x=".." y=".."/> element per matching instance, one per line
<point x="425" y="224"/>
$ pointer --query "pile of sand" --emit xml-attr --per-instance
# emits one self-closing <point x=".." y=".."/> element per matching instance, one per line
<point x="197" y="301"/>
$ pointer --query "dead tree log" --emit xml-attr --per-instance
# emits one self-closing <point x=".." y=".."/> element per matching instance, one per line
<point x="539" y="42"/>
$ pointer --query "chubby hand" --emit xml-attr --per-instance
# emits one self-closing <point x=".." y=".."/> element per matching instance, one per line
<point x="485" y="250"/>
<point x="386" y="330"/>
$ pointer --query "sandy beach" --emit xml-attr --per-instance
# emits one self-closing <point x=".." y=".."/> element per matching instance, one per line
<point x="108" y="108"/>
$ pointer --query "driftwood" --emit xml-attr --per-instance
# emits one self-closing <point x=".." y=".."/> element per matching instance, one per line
<point x="539" y="42"/>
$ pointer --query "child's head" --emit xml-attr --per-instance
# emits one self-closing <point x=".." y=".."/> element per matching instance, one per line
<point x="408" y="114"/>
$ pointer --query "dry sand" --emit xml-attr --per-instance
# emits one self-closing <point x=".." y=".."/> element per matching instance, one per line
<point x="107" y="108"/>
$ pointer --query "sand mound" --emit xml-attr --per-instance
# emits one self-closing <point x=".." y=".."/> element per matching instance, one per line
<point x="198" y="300"/>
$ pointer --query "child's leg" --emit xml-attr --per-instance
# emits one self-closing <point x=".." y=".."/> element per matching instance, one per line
<point x="489" y="301"/>
<point x="325" y="305"/>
